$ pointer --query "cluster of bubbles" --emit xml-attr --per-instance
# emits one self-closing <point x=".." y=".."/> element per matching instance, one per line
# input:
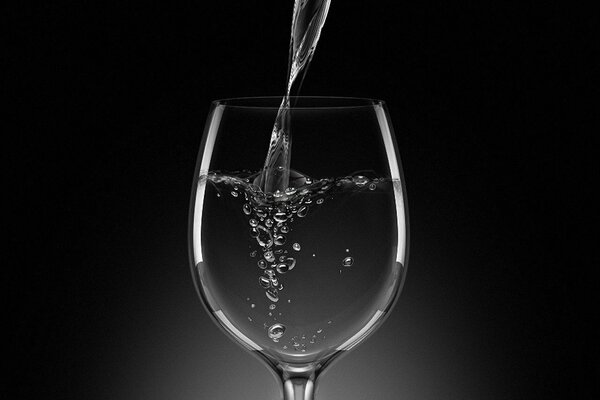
<point x="300" y="342"/>
<point x="269" y="225"/>
<point x="270" y="217"/>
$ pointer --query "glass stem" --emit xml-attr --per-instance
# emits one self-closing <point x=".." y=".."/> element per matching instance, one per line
<point x="298" y="383"/>
<point x="298" y="389"/>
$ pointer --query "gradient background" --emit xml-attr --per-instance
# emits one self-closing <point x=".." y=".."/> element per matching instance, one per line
<point x="107" y="107"/>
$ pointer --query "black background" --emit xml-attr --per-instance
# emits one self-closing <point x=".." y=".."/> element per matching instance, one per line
<point x="107" y="109"/>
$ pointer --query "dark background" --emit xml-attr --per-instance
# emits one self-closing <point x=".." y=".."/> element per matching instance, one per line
<point x="107" y="108"/>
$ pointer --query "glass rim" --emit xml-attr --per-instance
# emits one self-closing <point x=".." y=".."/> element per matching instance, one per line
<point x="329" y="102"/>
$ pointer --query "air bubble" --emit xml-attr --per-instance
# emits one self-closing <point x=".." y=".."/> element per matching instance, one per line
<point x="253" y="223"/>
<point x="274" y="282"/>
<point x="285" y="229"/>
<point x="264" y="237"/>
<point x="320" y="201"/>
<point x="234" y="193"/>
<point x="276" y="331"/>
<point x="269" y="256"/>
<point x="282" y="268"/>
<point x="247" y="209"/>
<point x="290" y="191"/>
<point x="269" y="272"/>
<point x="253" y="254"/>
<point x="254" y="232"/>
<point x="273" y="295"/>
<point x="264" y="282"/>
<point x="296" y="246"/>
<point x="372" y="186"/>
<point x="279" y="240"/>
<point x="269" y="223"/>
<point x="280" y="217"/>
<point x="348" y="261"/>
<point x="291" y="263"/>
<point x="262" y="264"/>
<point x="302" y="211"/>
<point x="272" y="307"/>
<point x="360" y="180"/>
<point x="288" y="265"/>
<point x="252" y="305"/>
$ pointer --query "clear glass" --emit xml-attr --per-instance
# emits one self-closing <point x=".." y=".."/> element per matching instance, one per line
<point x="303" y="275"/>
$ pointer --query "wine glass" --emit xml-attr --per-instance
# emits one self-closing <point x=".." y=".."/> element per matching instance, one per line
<point x="302" y="274"/>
